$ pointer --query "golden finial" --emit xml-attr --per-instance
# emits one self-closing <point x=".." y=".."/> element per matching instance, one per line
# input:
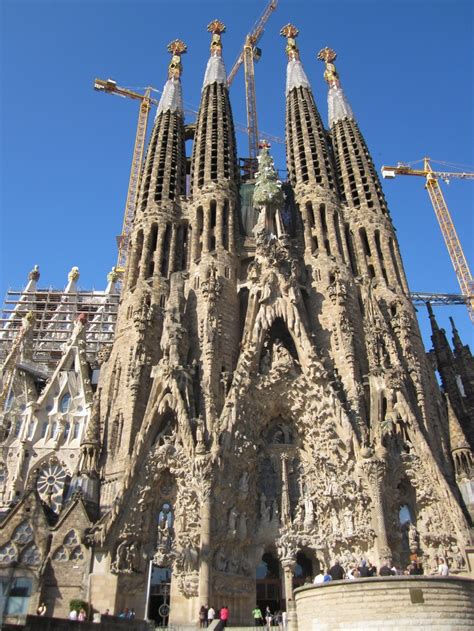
<point x="216" y="27"/>
<point x="328" y="55"/>
<point x="34" y="274"/>
<point x="73" y="274"/>
<point x="113" y="275"/>
<point x="290" y="32"/>
<point x="177" y="48"/>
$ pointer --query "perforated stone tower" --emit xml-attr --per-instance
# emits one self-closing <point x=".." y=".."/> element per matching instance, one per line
<point x="266" y="404"/>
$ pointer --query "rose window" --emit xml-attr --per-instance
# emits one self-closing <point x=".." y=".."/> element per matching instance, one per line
<point x="7" y="554"/>
<point x="50" y="485"/>
<point x="23" y="533"/>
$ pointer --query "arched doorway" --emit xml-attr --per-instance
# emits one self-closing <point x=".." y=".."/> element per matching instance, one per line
<point x="305" y="569"/>
<point x="268" y="582"/>
<point x="159" y="595"/>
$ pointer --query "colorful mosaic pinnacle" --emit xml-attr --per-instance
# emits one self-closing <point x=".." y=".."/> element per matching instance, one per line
<point x="177" y="48"/>
<point x="290" y="32"/>
<point x="328" y="55"/>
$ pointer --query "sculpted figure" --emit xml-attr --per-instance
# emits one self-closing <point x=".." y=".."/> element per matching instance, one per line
<point x="244" y="484"/>
<point x="220" y="561"/>
<point x="308" y="512"/>
<point x="233" y="514"/>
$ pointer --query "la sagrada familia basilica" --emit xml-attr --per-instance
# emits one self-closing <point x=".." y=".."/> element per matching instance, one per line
<point x="256" y="401"/>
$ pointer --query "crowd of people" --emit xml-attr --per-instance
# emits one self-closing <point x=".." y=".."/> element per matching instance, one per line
<point x="366" y="570"/>
<point x="268" y="619"/>
<point x="208" y="614"/>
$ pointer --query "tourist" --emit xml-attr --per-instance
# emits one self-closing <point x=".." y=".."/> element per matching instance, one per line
<point x="364" y="569"/>
<point x="337" y="571"/>
<point x="124" y="613"/>
<point x="385" y="570"/>
<point x="268" y="617"/>
<point x="203" y="617"/>
<point x="73" y="614"/>
<point x="41" y="611"/>
<point x="319" y="578"/>
<point x="415" y="568"/>
<point x="131" y="614"/>
<point x="257" y="616"/>
<point x="327" y="576"/>
<point x="224" y="615"/>
<point x="284" y="619"/>
<point x="82" y="615"/>
<point x="278" y="618"/>
<point x="211" y="614"/>
<point x="443" y="568"/>
<point x="371" y="569"/>
<point x="106" y="614"/>
<point x="352" y="573"/>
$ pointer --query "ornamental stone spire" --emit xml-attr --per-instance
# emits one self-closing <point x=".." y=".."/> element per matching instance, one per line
<point x="338" y="106"/>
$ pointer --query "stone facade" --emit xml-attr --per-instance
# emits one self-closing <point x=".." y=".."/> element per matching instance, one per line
<point x="267" y="403"/>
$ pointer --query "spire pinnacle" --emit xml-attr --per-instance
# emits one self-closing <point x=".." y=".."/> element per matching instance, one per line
<point x="34" y="274"/>
<point x="215" y="71"/>
<point x="456" y="337"/>
<point x="171" y="98"/>
<point x="177" y="48"/>
<point x="338" y="106"/>
<point x="295" y="75"/>
<point x="290" y="32"/>
<point x="328" y="55"/>
<point x="216" y="27"/>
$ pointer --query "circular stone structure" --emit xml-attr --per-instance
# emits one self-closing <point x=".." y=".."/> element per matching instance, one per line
<point x="392" y="602"/>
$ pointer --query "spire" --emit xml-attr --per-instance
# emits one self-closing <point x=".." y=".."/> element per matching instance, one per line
<point x="215" y="70"/>
<point x="214" y="149"/>
<point x="338" y="106"/>
<point x="73" y="277"/>
<point x="434" y="325"/>
<point x="308" y="157"/>
<point x="172" y="97"/>
<point x="458" y="345"/>
<point x="295" y="75"/>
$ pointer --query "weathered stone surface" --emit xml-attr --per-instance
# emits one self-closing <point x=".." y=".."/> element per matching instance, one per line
<point x="399" y="602"/>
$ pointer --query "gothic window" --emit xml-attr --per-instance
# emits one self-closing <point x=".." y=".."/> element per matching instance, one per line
<point x="65" y="402"/>
<point x="67" y="427"/>
<point x="71" y="539"/>
<point x="167" y="426"/>
<point x="17" y="427"/>
<point x="50" y="484"/>
<point x="77" y="554"/>
<point x="44" y="429"/>
<point x="76" y="430"/>
<point x="60" y="554"/>
<point x="31" y="555"/>
<point x="23" y="533"/>
<point x="404" y="514"/>
<point x="9" y="402"/>
<point x="3" y="474"/>
<point x="8" y="554"/>
<point x="164" y="531"/>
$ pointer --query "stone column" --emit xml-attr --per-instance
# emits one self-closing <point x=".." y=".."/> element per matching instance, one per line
<point x="374" y="467"/>
<point x="203" y="463"/>
<point x="288" y="565"/>
<point x="172" y="253"/>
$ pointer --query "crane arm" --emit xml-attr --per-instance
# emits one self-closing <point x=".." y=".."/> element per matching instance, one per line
<point x="401" y="169"/>
<point x="252" y="38"/>
<point x="111" y="87"/>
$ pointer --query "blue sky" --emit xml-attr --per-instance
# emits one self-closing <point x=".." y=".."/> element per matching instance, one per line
<point x="406" y="67"/>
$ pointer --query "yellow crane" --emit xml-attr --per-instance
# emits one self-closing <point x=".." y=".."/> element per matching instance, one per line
<point x="249" y="53"/>
<point x="448" y="230"/>
<point x="146" y="101"/>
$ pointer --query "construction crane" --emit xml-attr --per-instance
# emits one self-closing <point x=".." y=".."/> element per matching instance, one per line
<point x="249" y="53"/>
<point x="146" y="102"/>
<point x="451" y="238"/>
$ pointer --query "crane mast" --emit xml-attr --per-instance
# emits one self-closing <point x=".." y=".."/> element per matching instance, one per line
<point x="146" y="101"/>
<point x="448" y="230"/>
<point x="247" y="56"/>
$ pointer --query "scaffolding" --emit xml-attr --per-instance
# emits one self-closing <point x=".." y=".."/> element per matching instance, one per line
<point x="56" y="312"/>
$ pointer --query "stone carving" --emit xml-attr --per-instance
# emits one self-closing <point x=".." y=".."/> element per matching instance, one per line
<point x="127" y="558"/>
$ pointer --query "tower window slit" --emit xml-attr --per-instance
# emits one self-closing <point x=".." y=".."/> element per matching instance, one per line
<point x="365" y="242"/>
<point x="164" y="268"/>
<point x="350" y="249"/>
<point x="338" y="235"/>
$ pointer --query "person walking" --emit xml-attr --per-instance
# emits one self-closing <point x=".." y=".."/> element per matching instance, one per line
<point x="82" y="615"/>
<point x="211" y="614"/>
<point x="72" y="614"/>
<point x="268" y="616"/>
<point x="224" y="615"/>
<point x="203" y="617"/>
<point x="257" y="616"/>
<point x="443" y="568"/>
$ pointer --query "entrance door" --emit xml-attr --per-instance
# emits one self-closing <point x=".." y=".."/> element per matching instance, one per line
<point x="268" y="582"/>
<point x="158" y="603"/>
